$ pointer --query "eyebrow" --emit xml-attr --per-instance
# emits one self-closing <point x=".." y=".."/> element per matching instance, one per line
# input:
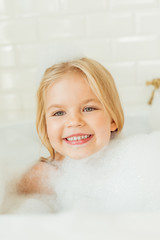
<point x="84" y="102"/>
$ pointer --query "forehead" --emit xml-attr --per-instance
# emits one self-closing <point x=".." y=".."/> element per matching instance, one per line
<point x="71" y="77"/>
<point x="71" y="87"/>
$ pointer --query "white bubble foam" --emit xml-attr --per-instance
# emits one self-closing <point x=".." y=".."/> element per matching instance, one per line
<point x="123" y="176"/>
<point x="56" y="52"/>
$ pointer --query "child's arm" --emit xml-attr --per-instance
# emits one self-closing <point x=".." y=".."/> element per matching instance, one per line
<point x="37" y="179"/>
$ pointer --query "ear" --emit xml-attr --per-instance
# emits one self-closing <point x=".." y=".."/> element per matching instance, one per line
<point x="113" y="126"/>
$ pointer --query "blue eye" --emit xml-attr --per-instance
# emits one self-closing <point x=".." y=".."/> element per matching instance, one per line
<point x="59" y="113"/>
<point x="89" y="109"/>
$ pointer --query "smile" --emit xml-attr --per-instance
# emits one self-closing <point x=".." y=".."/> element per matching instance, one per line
<point x="78" y="139"/>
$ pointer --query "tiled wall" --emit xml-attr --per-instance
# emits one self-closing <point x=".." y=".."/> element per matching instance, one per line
<point x="124" y="35"/>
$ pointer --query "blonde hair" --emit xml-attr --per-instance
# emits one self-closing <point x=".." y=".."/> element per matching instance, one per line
<point x="101" y="83"/>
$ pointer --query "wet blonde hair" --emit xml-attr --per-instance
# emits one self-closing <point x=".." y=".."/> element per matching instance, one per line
<point x="101" y="83"/>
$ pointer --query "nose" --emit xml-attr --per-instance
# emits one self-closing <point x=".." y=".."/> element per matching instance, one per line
<point x="75" y="120"/>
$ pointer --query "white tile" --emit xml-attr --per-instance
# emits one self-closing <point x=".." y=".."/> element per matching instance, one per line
<point x="5" y="9"/>
<point x="59" y="50"/>
<point x="10" y="101"/>
<point x="6" y="81"/>
<point x="136" y="48"/>
<point x="26" y="54"/>
<point x="131" y="95"/>
<point x="47" y="6"/>
<point x="28" y="101"/>
<point x="132" y="4"/>
<point x="110" y="24"/>
<point x="123" y="73"/>
<point x="20" y="80"/>
<point x="17" y="101"/>
<point x="16" y="116"/>
<point x="4" y="38"/>
<point x="7" y="56"/>
<point x="106" y="36"/>
<point x="18" y="30"/>
<point x="55" y="27"/>
<point x="98" y="49"/>
<point x="24" y="30"/>
<point x="148" y="21"/>
<point x="23" y="7"/>
<point x="148" y="70"/>
<point x="30" y="7"/>
<point x="83" y="5"/>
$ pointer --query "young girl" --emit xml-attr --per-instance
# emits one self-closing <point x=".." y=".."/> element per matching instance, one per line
<point x="78" y="110"/>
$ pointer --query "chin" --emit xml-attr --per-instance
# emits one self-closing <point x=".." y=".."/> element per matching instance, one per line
<point x="80" y="156"/>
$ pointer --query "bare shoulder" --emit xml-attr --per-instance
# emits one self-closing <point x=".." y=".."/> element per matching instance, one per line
<point x="37" y="179"/>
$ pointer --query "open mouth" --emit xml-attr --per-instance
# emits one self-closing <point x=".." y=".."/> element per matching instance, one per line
<point x="78" y="139"/>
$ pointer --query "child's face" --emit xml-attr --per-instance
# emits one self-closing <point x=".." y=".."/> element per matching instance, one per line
<point x="76" y="115"/>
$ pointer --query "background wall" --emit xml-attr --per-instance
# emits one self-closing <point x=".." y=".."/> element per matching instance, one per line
<point x="124" y="35"/>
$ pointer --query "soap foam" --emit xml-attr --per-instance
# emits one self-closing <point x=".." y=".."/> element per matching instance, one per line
<point x="123" y="176"/>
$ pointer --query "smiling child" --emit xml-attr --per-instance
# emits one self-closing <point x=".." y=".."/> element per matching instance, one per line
<point x="78" y="109"/>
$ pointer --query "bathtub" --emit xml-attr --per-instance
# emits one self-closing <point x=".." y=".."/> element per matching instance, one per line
<point x="20" y="149"/>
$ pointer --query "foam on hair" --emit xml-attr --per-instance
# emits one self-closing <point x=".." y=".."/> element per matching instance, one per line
<point x="57" y="52"/>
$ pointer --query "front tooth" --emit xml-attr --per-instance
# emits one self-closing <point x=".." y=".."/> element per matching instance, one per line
<point x="77" y="138"/>
<point x="70" y="139"/>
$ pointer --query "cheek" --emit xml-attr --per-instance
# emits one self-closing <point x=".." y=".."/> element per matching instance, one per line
<point x="54" y="129"/>
<point x="102" y="128"/>
<point x="50" y="129"/>
<point x="102" y="123"/>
